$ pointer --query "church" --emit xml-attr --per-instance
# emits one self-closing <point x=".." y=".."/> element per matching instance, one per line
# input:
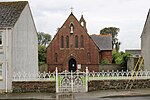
<point x="72" y="48"/>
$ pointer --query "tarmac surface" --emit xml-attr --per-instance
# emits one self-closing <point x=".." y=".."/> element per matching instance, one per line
<point x="137" y="94"/>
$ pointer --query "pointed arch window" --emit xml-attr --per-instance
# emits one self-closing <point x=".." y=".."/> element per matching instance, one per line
<point x="82" y="41"/>
<point x="89" y="57"/>
<point x="67" y="42"/>
<point x="56" y="58"/>
<point x="76" y="41"/>
<point x="62" y="42"/>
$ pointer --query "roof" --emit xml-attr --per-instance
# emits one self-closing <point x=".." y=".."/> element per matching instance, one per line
<point x="104" y="42"/>
<point x="10" y="12"/>
<point x="134" y="51"/>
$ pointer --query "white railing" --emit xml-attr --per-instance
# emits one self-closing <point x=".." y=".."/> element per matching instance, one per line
<point x="103" y="75"/>
<point x="119" y="75"/>
<point x="32" y="76"/>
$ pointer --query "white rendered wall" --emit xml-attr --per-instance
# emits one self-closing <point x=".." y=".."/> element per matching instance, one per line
<point x="25" y="44"/>
<point x="145" y="44"/>
<point x="6" y="60"/>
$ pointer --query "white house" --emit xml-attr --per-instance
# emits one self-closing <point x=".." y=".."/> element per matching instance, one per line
<point x="145" y="43"/>
<point x="18" y="42"/>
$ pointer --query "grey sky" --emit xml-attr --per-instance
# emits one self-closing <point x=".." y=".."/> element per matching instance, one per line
<point x="128" y="15"/>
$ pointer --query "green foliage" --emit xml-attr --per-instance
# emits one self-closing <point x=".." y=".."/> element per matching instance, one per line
<point x="105" y="61"/>
<point x="41" y="54"/>
<point x="120" y="58"/>
<point x="110" y="30"/>
<point x="114" y="32"/>
<point x="43" y="39"/>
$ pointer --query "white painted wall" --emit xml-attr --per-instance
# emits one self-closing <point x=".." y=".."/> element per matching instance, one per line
<point x="25" y="44"/>
<point x="19" y="52"/>
<point x="145" y="44"/>
<point x="6" y="61"/>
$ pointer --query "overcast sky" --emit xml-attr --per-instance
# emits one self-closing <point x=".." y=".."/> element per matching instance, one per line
<point x="128" y="15"/>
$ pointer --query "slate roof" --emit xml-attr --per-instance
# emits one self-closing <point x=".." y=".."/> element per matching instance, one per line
<point x="104" y="42"/>
<point x="10" y="12"/>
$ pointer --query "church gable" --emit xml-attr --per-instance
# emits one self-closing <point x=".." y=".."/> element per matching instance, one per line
<point x="72" y="26"/>
<point x="73" y="30"/>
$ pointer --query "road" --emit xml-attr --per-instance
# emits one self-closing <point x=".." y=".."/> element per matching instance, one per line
<point x="137" y="94"/>
<point x="68" y="97"/>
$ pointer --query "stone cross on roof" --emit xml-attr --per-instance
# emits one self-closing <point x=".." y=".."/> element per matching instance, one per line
<point x="71" y="9"/>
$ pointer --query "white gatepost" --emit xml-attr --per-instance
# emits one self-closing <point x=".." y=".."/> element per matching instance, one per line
<point x="56" y="80"/>
<point x="71" y="81"/>
<point x="87" y="79"/>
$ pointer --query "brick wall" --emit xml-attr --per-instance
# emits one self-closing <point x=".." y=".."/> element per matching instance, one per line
<point x="34" y="86"/>
<point x="80" y="54"/>
<point x="117" y="84"/>
<point x="107" y="54"/>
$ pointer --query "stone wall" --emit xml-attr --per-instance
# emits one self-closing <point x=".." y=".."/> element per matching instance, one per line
<point x="43" y="68"/>
<point x="34" y="86"/>
<point x="95" y="85"/>
<point x="117" y="84"/>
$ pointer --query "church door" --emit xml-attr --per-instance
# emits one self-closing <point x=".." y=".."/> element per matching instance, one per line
<point x="72" y="65"/>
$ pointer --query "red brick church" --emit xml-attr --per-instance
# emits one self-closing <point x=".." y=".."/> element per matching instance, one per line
<point x="73" y="48"/>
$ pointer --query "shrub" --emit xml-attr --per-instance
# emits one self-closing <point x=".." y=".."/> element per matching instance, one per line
<point x="105" y="61"/>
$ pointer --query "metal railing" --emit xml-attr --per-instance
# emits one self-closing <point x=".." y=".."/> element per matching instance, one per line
<point x="32" y="76"/>
<point x="103" y="75"/>
<point x="119" y="75"/>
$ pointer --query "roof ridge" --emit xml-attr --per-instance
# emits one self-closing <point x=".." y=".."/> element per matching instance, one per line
<point x="101" y="35"/>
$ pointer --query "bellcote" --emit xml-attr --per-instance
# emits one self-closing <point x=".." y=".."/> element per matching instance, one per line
<point x="83" y="22"/>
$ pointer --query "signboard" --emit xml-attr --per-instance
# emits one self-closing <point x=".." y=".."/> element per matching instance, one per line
<point x="79" y="66"/>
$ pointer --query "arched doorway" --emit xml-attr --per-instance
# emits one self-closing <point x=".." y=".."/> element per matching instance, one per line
<point x="72" y="65"/>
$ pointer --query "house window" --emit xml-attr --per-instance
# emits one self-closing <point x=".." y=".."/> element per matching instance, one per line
<point x="0" y="38"/>
<point x="67" y="42"/>
<point x="76" y="41"/>
<point x="82" y="41"/>
<point x="56" y="58"/>
<point x="89" y="57"/>
<point x="62" y="42"/>
<point x="0" y="69"/>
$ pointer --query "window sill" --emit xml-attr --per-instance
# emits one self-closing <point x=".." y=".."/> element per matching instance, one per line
<point x="61" y="48"/>
<point x="76" y="48"/>
<point x="1" y="78"/>
<point x="82" y="48"/>
<point x="1" y="46"/>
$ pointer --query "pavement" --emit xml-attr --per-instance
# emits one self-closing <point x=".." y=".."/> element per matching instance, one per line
<point x="72" y="96"/>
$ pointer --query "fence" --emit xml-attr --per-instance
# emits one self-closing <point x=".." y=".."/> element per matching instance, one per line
<point x="32" y="76"/>
<point x="119" y="75"/>
<point x="78" y="81"/>
<point x="103" y="75"/>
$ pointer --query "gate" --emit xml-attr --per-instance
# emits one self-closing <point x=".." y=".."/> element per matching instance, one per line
<point x="71" y="81"/>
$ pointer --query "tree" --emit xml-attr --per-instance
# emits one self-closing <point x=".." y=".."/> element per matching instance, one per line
<point x="114" y="32"/>
<point x="43" y="39"/>
<point x="41" y="54"/>
<point x="117" y="46"/>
